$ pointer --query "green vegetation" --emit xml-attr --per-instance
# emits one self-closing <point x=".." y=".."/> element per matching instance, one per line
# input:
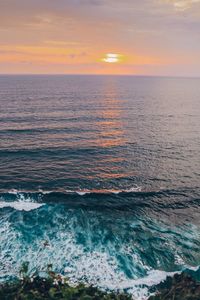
<point x="54" y="287"/>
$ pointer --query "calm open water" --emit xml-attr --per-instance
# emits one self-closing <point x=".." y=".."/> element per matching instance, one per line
<point x="104" y="168"/>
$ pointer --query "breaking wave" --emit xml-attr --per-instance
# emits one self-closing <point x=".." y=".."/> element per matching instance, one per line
<point x="123" y="199"/>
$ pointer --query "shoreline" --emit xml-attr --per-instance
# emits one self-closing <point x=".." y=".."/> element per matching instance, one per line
<point x="183" y="286"/>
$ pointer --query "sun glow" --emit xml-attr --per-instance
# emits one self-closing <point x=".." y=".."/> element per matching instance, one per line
<point x="111" y="58"/>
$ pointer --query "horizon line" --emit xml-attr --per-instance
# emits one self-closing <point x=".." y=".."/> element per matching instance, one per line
<point x="117" y="75"/>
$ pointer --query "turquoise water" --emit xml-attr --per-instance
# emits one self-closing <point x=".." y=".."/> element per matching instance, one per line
<point x="100" y="177"/>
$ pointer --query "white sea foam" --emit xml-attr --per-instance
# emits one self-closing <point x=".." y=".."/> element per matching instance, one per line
<point x="21" y="193"/>
<point x="14" y="192"/>
<point x="83" y="192"/>
<point x="21" y="205"/>
<point x="139" y="288"/>
<point x="97" y="265"/>
<point x="45" y="192"/>
<point x="90" y="262"/>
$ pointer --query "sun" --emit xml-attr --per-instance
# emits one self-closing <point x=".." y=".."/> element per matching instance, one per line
<point x="111" y="58"/>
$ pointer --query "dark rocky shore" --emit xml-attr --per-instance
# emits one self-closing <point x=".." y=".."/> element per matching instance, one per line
<point x="180" y="287"/>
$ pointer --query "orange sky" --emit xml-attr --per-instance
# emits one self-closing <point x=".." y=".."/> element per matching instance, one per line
<point x="150" y="37"/>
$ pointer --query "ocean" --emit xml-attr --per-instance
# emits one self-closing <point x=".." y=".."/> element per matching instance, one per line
<point x="99" y="176"/>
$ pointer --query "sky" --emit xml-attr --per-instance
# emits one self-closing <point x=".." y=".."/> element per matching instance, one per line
<point x="135" y="37"/>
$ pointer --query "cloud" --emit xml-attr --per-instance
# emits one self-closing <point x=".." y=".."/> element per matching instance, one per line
<point x="66" y="30"/>
<point x="183" y="5"/>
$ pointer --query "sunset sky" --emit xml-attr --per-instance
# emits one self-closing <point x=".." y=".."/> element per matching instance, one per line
<point x="142" y="37"/>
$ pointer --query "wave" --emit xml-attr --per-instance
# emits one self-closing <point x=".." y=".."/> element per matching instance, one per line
<point x="142" y="288"/>
<point x="104" y="191"/>
<point x="91" y="247"/>
<point x="100" y="199"/>
<point x="21" y="205"/>
<point x="80" y="192"/>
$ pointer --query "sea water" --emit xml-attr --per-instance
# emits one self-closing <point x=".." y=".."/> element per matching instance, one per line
<point x="99" y="176"/>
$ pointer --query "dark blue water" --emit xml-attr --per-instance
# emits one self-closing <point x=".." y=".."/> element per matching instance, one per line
<point x="104" y="168"/>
